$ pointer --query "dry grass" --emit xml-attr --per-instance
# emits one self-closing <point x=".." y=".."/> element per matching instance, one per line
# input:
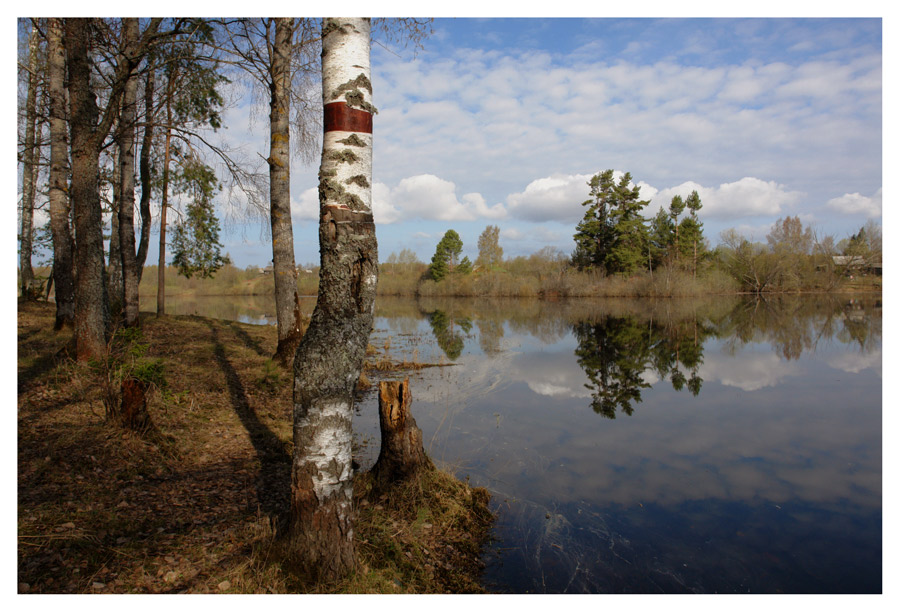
<point x="422" y="536"/>
<point x="190" y="506"/>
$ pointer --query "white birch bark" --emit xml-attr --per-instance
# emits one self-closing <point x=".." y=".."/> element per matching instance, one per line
<point x="330" y="355"/>
<point x="28" y="170"/>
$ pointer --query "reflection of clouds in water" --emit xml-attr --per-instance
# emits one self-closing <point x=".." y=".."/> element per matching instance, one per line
<point x="549" y="374"/>
<point x="753" y="446"/>
<point x="855" y="362"/>
<point x="650" y="377"/>
<point x="521" y="418"/>
<point x="747" y="370"/>
<point x="546" y="373"/>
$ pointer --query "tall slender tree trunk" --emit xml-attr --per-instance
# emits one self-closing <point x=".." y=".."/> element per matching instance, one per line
<point x="26" y="272"/>
<point x="130" y="280"/>
<point x="145" y="170"/>
<point x="91" y="305"/>
<point x="63" y="276"/>
<point x="330" y="355"/>
<point x="287" y="298"/>
<point x="114" y="284"/>
<point x="161" y="268"/>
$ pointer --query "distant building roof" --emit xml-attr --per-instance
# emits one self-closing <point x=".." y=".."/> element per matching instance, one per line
<point x="848" y="260"/>
<point x="855" y="261"/>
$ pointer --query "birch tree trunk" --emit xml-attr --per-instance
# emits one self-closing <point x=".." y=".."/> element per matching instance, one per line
<point x="161" y="267"/>
<point x="145" y="170"/>
<point x="130" y="306"/>
<point x="88" y="130"/>
<point x="287" y="299"/>
<point x="330" y="355"/>
<point x="114" y="284"/>
<point x="26" y="272"/>
<point x="91" y="303"/>
<point x="60" y="231"/>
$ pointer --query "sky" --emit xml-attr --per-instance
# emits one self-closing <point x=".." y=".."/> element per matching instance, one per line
<point x="504" y="121"/>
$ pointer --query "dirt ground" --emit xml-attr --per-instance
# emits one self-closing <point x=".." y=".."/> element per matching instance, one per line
<point x="191" y="506"/>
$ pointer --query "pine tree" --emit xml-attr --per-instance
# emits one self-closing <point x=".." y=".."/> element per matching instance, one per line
<point x="446" y="254"/>
<point x="195" y="240"/>
<point x="612" y="235"/>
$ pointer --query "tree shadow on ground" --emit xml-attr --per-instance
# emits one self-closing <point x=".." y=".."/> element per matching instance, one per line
<point x="274" y="481"/>
<point x="250" y="342"/>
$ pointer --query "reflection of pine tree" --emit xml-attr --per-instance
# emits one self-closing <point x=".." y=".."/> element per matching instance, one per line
<point x="448" y="338"/>
<point x="615" y="352"/>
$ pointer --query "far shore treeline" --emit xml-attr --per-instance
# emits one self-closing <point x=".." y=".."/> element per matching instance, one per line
<point x="618" y="253"/>
<point x="791" y="260"/>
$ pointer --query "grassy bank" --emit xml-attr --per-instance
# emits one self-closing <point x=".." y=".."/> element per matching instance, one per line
<point x="524" y="277"/>
<point x="229" y="280"/>
<point x="192" y="505"/>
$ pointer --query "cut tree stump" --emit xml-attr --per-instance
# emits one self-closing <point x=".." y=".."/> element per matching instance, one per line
<point x="133" y="412"/>
<point x="402" y="455"/>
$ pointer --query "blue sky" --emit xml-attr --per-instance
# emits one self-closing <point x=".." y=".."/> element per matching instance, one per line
<point x="504" y="121"/>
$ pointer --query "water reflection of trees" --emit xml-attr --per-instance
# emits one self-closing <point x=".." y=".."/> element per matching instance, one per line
<point x="616" y="352"/>
<point x="490" y="332"/>
<point x="622" y="340"/>
<point x="449" y="332"/>
<point x="794" y="325"/>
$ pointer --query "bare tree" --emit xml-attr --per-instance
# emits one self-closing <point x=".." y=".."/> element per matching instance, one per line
<point x="125" y="137"/>
<point x="63" y="275"/>
<point x="279" y="55"/>
<point x="89" y="128"/>
<point x="29" y="168"/>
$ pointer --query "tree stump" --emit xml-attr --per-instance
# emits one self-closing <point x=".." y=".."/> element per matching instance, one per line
<point x="402" y="455"/>
<point x="133" y="412"/>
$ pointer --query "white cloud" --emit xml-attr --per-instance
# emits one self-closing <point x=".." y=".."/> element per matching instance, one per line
<point x="747" y="197"/>
<point x="306" y="208"/>
<point x="558" y="198"/>
<point x="855" y="204"/>
<point x="417" y="197"/>
<point x="382" y="210"/>
<point x="488" y="120"/>
<point x="475" y="203"/>
<point x="426" y="196"/>
<point x="554" y="198"/>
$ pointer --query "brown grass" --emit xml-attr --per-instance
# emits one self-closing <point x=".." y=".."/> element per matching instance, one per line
<point x="190" y="507"/>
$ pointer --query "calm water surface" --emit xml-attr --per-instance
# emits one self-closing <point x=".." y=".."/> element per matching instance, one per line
<point x="672" y="447"/>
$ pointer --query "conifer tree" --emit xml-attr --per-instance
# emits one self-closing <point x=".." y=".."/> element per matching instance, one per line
<point x="612" y="235"/>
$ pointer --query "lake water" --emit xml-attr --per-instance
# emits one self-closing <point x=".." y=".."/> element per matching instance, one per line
<point x="721" y="446"/>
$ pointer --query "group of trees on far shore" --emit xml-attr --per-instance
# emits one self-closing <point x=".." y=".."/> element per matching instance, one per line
<point x="617" y="242"/>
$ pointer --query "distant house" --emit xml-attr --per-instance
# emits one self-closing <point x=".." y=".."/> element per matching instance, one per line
<point x="267" y="270"/>
<point x="856" y="263"/>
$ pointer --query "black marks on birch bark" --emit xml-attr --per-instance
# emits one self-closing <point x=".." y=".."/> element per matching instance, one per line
<point x="344" y="156"/>
<point x="359" y="179"/>
<point x="352" y="92"/>
<point x="332" y="192"/>
<point x="352" y="140"/>
<point x="354" y="85"/>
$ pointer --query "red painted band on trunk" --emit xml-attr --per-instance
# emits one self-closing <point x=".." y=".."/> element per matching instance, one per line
<point x="342" y="118"/>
